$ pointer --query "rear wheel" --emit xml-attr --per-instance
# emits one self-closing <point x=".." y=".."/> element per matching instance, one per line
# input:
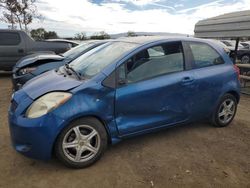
<point x="225" y="111"/>
<point x="81" y="143"/>
<point x="245" y="59"/>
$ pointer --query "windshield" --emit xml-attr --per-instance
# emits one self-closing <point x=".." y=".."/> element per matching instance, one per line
<point x="92" y="62"/>
<point x="232" y="43"/>
<point x="245" y="44"/>
<point x="74" y="52"/>
<point x="226" y="43"/>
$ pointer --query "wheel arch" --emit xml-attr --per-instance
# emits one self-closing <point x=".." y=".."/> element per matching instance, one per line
<point x="243" y="54"/>
<point x="232" y="92"/>
<point x="235" y="94"/>
<point x="81" y="117"/>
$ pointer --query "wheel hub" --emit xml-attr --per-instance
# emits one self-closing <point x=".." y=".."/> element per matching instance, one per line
<point x="82" y="143"/>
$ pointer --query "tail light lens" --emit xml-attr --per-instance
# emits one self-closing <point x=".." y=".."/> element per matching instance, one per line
<point x="237" y="70"/>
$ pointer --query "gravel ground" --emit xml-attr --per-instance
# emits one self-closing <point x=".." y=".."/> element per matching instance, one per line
<point x="195" y="155"/>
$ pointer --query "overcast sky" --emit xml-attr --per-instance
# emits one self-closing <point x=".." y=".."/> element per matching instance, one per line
<point x="68" y="17"/>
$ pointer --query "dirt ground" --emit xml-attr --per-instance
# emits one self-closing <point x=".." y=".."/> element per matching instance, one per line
<point x="195" y="155"/>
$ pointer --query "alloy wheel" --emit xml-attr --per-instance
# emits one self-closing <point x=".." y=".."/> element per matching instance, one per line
<point x="245" y="59"/>
<point x="81" y="143"/>
<point x="227" y="111"/>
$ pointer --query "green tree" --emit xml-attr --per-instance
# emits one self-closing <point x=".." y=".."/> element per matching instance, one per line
<point x="131" y="34"/>
<point x="21" y="12"/>
<point x="9" y="11"/>
<point x="41" y="34"/>
<point x="50" y="35"/>
<point x="38" y="34"/>
<point x="80" y="36"/>
<point x="100" y="36"/>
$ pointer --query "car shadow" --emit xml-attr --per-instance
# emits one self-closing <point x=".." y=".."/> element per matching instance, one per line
<point x="164" y="133"/>
<point x="138" y="141"/>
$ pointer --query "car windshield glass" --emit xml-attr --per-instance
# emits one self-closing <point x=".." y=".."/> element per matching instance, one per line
<point x="92" y="62"/>
<point x="241" y="46"/>
<point x="233" y="43"/>
<point x="227" y="43"/>
<point x="74" y="52"/>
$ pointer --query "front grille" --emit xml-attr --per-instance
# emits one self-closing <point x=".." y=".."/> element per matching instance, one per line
<point x="13" y="106"/>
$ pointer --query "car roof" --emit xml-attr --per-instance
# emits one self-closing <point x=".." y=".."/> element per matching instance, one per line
<point x="148" y="39"/>
<point x="218" y="42"/>
<point x="94" y="42"/>
<point x="61" y="40"/>
<point x="246" y="42"/>
<point x="12" y="31"/>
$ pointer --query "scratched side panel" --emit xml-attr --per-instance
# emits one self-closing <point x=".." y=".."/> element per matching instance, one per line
<point x="152" y="103"/>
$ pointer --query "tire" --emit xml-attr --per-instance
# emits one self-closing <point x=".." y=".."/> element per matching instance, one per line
<point x="245" y="59"/>
<point x="82" y="143"/>
<point x="220" y="120"/>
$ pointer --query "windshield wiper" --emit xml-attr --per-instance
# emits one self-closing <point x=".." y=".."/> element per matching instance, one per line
<point x="73" y="70"/>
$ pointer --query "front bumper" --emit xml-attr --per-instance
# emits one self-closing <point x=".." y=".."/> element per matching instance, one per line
<point x="19" y="81"/>
<point x="34" y="138"/>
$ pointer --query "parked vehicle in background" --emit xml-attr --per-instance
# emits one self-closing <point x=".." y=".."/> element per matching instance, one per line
<point x="231" y="44"/>
<point x="243" y="54"/>
<point x="246" y="44"/>
<point x="121" y="89"/>
<point x="15" y="44"/>
<point x="72" y="43"/>
<point x="30" y="66"/>
<point x="221" y="44"/>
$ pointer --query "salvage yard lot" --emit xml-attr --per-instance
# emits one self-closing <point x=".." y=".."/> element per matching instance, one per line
<point x="195" y="155"/>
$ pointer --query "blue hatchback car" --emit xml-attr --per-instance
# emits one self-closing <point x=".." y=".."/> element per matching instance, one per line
<point x="120" y="89"/>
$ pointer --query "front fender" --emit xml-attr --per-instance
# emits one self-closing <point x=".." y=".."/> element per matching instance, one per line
<point x="97" y="101"/>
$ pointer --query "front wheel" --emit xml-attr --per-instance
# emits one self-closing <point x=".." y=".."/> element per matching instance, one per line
<point x="81" y="143"/>
<point x="225" y="111"/>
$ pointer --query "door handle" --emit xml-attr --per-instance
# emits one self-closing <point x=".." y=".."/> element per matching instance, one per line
<point x="20" y="50"/>
<point x="187" y="80"/>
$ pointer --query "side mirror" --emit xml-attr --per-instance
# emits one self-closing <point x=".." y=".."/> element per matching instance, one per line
<point x="122" y="81"/>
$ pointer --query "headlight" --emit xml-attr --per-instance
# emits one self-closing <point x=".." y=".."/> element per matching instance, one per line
<point x="46" y="103"/>
<point x="26" y="70"/>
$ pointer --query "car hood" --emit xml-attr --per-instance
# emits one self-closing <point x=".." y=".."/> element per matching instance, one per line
<point x="34" y="58"/>
<point x="47" y="82"/>
<point x="244" y="50"/>
<point x="239" y="49"/>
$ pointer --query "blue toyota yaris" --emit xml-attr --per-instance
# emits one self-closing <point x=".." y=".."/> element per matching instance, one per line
<point x="120" y="89"/>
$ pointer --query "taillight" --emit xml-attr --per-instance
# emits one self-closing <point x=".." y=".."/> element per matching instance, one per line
<point x="237" y="70"/>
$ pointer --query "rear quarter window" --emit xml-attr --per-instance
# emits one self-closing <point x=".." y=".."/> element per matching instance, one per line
<point x="204" y="55"/>
<point x="9" y="39"/>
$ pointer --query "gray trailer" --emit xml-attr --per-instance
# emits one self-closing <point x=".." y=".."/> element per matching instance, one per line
<point x="232" y="25"/>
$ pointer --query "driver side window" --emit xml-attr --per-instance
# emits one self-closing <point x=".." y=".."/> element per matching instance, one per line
<point x="152" y="62"/>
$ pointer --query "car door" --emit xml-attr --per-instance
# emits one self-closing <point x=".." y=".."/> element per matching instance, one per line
<point x="12" y="48"/>
<point x="210" y="73"/>
<point x="153" y="89"/>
